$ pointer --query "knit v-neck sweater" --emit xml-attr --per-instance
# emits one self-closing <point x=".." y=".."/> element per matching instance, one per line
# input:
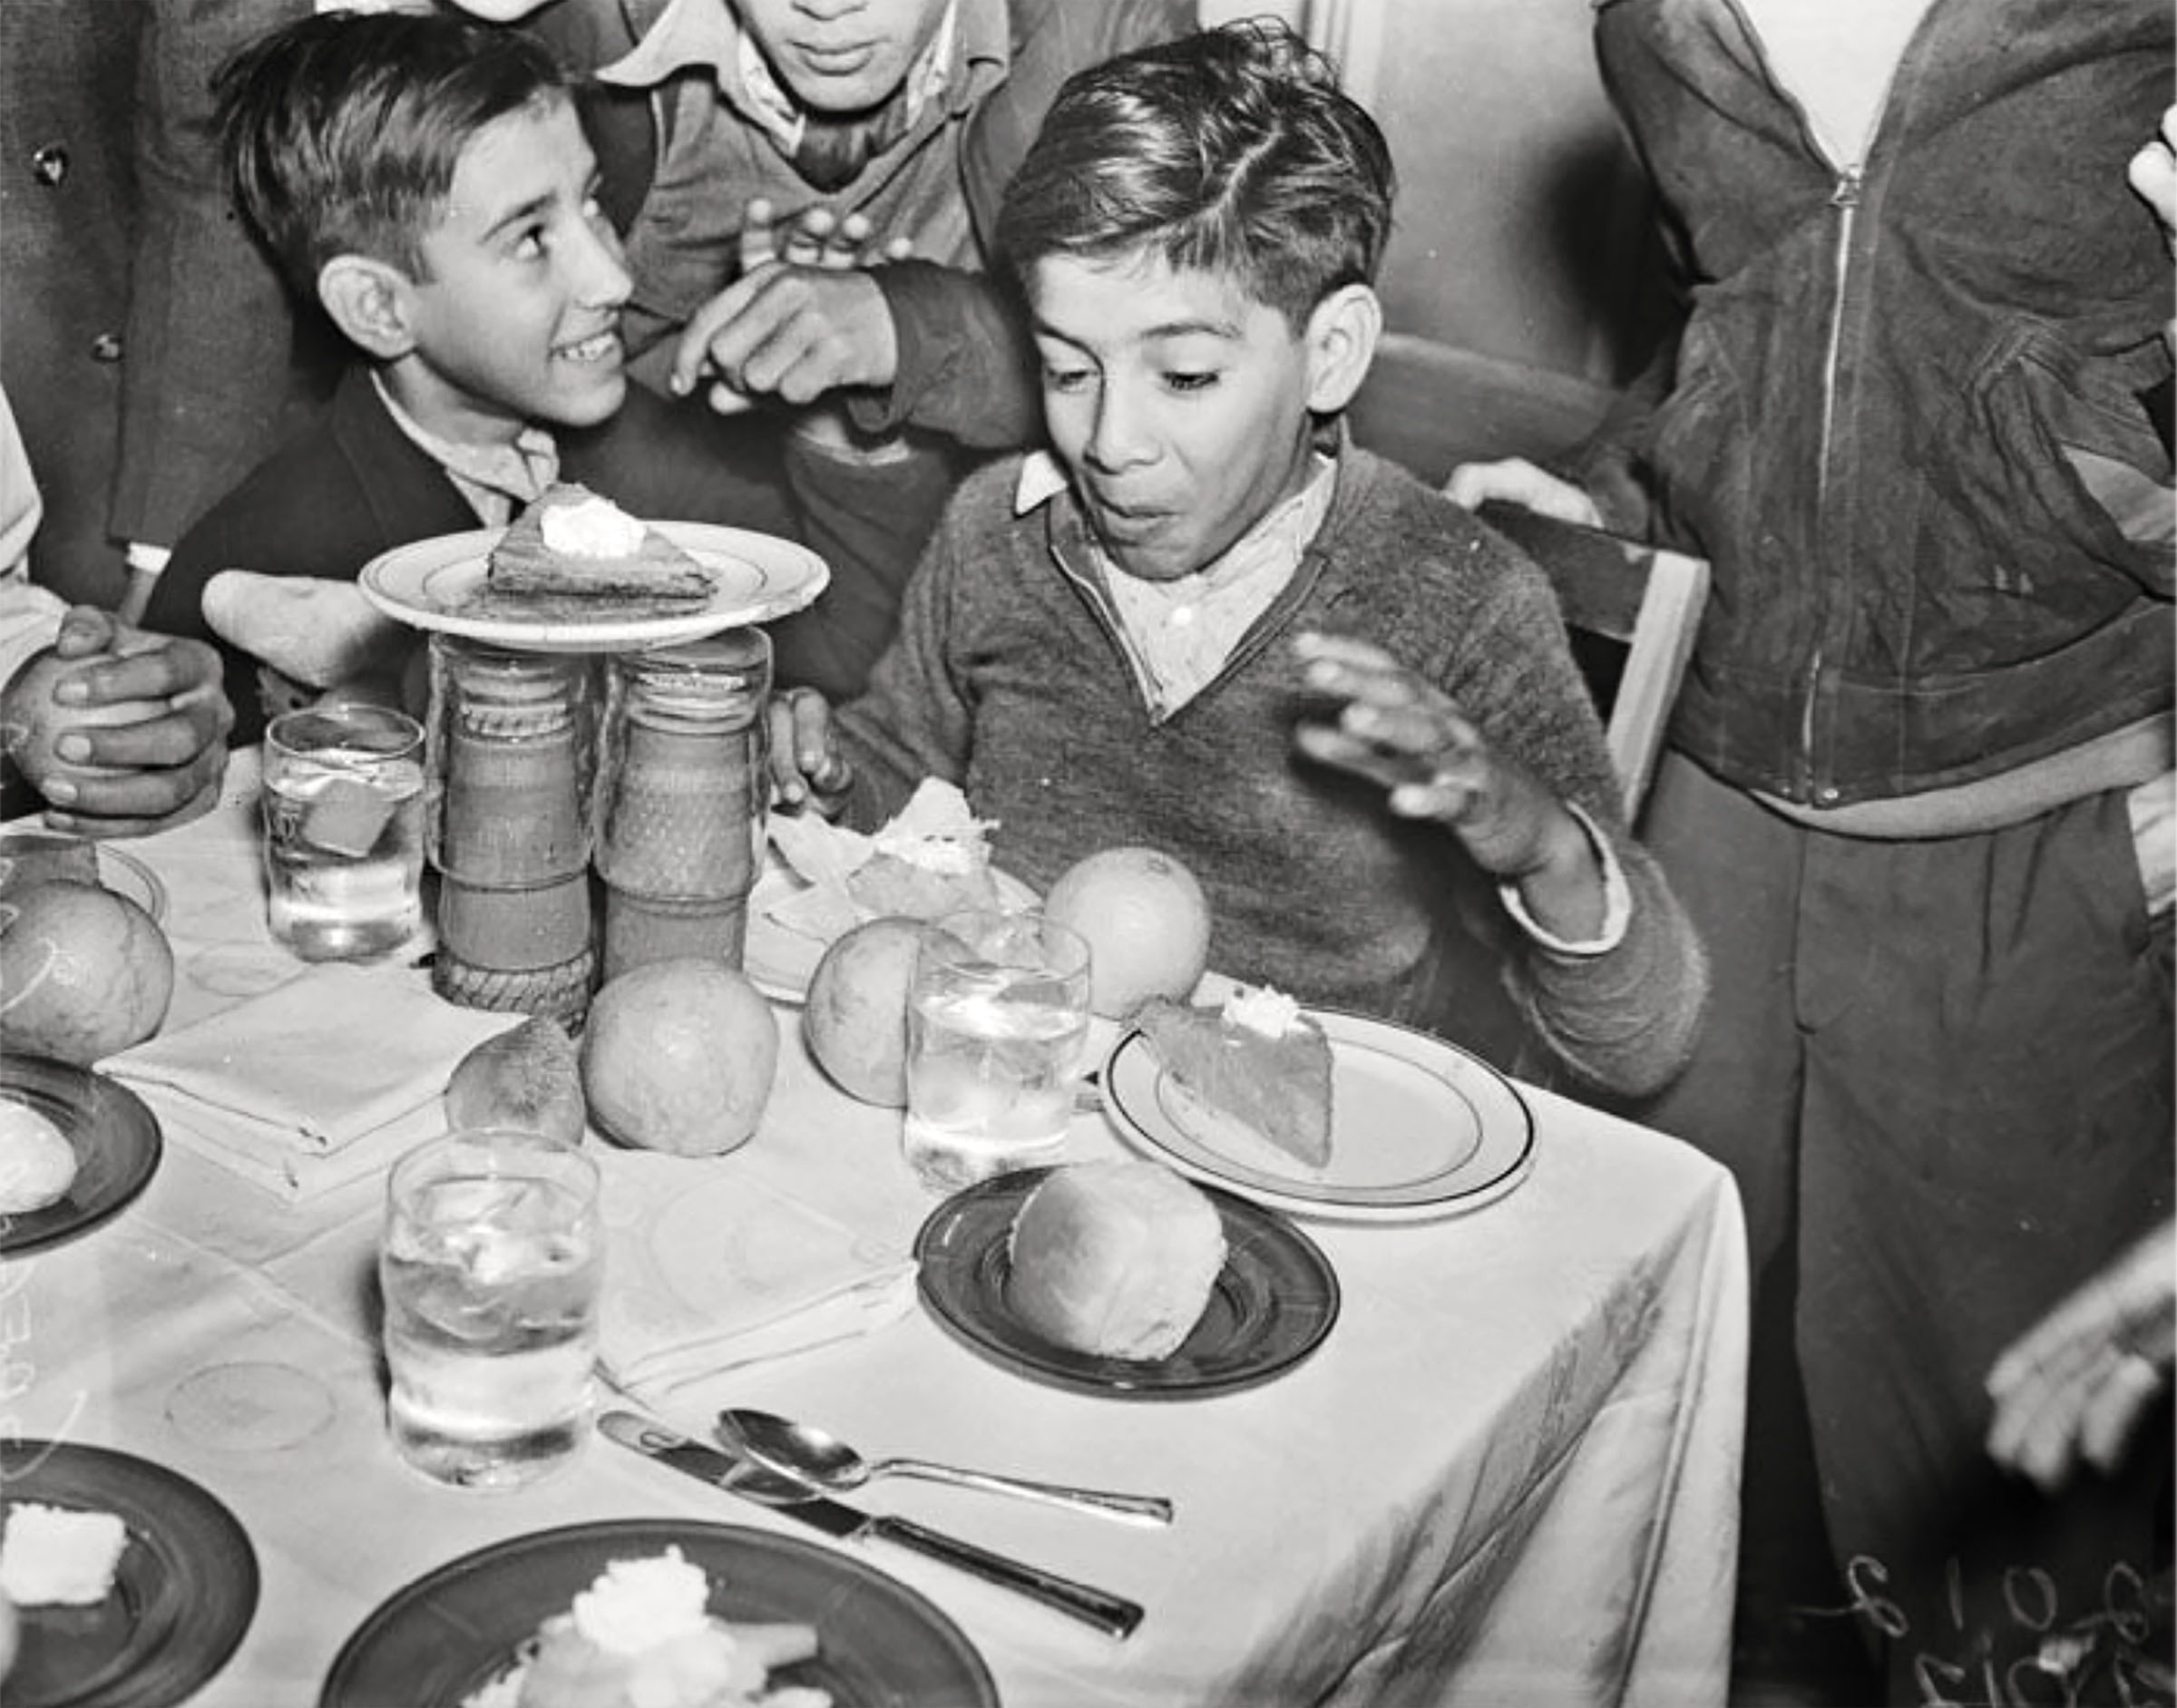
<point x="1007" y="679"/>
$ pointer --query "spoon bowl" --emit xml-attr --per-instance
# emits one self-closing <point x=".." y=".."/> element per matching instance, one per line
<point x="821" y="1461"/>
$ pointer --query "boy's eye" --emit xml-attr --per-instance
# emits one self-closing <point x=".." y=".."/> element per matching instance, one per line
<point x="1190" y="382"/>
<point x="529" y="242"/>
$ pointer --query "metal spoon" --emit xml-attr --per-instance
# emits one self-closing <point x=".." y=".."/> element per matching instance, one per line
<point x="812" y="1458"/>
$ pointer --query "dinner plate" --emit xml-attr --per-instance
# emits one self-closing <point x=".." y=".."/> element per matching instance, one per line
<point x="118" y="870"/>
<point x="780" y="961"/>
<point x="759" y="577"/>
<point x="114" y="1134"/>
<point x="455" y="1630"/>
<point x="1419" y="1127"/>
<point x="182" y="1595"/>
<point x="1271" y="1306"/>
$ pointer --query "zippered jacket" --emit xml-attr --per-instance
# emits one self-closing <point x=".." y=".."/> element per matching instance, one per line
<point x="1919" y="418"/>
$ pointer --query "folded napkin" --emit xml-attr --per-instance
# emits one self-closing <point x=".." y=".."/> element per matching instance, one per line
<point x="708" y="1269"/>
<point x="320" y="1082"/>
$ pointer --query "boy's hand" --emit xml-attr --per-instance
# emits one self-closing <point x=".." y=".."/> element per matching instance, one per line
<point x="807" y="769"/>
<point x="1402" y="732"/>
<point x="2154" y="174"/>
<point x="804" y="317"/>
<point x="124" y="732"/>
<point x="2077" y="1385"/>
<point x="320" y="633"/>
<point x="816" y="238"/>
<point x="1516" y="481"/>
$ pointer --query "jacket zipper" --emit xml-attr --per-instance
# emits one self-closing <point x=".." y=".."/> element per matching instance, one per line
<point x="1845" y="198"/>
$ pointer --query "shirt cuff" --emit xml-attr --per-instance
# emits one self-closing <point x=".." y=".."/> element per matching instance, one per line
<point x="2152" y="806"/>
<point x="1617" y="900"/>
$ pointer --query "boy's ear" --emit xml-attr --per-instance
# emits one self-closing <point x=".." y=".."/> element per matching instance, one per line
<point x="1342" y="336"/>
<point x="370" y="301"/>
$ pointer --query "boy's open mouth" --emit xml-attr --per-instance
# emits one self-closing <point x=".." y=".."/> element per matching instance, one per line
<point x="599" y="347"/>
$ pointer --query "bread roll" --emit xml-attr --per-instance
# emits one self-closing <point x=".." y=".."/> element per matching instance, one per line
<point x="1115" y="1259"/>
<point x="37" y="1163"/>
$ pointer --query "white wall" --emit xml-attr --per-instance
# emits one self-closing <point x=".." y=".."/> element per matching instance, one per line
<point x="1523" y="224"/>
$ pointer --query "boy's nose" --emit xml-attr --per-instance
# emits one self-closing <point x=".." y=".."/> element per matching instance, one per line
<point x="1119" y="434"/>
<point x="605" y="282"/>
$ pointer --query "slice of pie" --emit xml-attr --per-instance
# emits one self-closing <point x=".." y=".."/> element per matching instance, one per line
<point x="933" y="858"/>
<point x="571" y="548"/>
<point x="1257" y="1063"/>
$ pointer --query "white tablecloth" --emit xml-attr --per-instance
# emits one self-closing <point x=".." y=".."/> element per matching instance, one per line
<point x="1508" y="1476"/>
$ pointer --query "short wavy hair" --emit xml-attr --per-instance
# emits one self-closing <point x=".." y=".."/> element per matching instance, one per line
<point x="343" y="130"/>
<point x="1231" y="152"/>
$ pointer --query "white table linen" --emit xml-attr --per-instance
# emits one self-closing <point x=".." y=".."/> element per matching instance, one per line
<point x="1508" y="1476"/>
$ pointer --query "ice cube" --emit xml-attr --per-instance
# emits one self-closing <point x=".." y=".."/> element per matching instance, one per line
<point x="346" y="816"/>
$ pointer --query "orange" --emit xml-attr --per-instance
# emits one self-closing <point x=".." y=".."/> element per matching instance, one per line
<point x="680" y="1056"/>
<point x="83" y="972"/>
<point x="856" y="1020"/>
<point x="1147" y="923"/>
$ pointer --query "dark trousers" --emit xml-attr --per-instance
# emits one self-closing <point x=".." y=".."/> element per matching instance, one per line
<point x="1941" y="1071"/>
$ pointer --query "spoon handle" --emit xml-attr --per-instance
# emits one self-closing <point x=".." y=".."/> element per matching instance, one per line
<point x="1134" y="1508"/>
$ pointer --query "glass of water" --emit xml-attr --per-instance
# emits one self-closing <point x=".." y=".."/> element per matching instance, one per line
<point x="343" y="830"/>
<point x="490" y="1264"/>
<point x="997" y="1017"/>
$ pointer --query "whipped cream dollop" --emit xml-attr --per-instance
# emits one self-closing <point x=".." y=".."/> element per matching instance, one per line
<point x="954" y="856"/>
<point x="594" y="528"/>
<point x="1271" y="1012"/>
<point x="637" y="1605"/>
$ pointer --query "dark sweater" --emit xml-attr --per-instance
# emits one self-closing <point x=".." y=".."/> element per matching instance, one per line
<point x="1007" y="679"/>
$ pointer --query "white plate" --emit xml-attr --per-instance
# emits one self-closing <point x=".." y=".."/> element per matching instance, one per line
<point x="780" y="961"/>
<point x="1419" y="1127"/>
<point x="759" y="577"/>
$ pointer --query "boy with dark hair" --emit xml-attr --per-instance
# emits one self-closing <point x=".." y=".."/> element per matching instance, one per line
<point x="1098" y="646"/>
<point x="426" y="179"/>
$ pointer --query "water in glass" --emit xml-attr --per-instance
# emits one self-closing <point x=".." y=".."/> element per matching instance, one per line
<point x="997" y="1018"/>
<point x="344" y="832"/>
<point x="491" y="1267"/>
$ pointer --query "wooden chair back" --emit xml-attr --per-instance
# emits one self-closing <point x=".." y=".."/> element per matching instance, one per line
<point x="1632" y="611"/>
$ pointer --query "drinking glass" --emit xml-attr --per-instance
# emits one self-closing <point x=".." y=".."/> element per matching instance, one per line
<point x="491" y="1264"/>
<point x="343" y="830"/>
<point x="997" y="1016"/>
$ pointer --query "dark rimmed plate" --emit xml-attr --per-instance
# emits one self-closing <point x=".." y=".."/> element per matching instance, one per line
<point x="183" y="1595"/>
<point x="1420" y="1128"/>
<point x="453" y="1631"/>
<point x="116" y="1141"/>
<point x="1271" y="1306"/>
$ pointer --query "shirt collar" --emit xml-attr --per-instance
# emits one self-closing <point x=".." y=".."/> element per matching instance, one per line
<point x="495" y="478"/>
<point x="705" y="35"/>
<point x="1283" y="534"/>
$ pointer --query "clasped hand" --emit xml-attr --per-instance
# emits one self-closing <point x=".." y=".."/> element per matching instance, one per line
<point x="804" y="318"/>
<point x="124" y="732"/>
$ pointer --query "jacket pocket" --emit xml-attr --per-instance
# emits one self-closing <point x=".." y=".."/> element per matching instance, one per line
<point x="1699" y="445"/>
<point x="2074" y="465"/>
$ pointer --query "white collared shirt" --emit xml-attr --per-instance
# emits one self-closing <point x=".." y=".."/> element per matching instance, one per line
<point x="1180" y="633"/>
<point x="496" y="479"/>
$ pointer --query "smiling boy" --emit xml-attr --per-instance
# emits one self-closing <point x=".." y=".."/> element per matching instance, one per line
<point x="1212" y="625"/>
<point x="426" y="181"/>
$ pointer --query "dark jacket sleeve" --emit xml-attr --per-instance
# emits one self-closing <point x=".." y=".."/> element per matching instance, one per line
<point x="324" y="506"/>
